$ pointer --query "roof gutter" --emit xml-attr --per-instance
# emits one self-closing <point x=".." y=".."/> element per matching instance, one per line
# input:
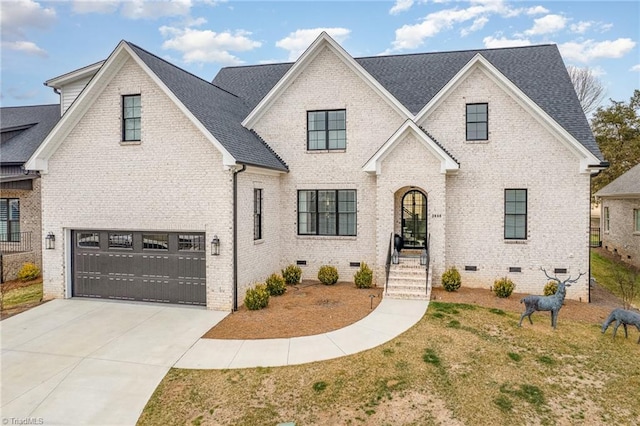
<point x="235" y="236"/>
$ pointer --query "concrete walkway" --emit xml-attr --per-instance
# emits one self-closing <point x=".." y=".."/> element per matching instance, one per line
<point x="89" y="362"/>
<point x="388" y="320"/>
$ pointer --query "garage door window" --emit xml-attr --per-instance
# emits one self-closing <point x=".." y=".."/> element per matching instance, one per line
<point x="155" y="241"/>
<point x="121" y="241"/>
<point x="89" y="240"/>
<point x="191" y="243"/>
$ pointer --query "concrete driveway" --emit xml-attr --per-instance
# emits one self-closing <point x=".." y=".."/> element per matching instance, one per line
<point x="92" y="362"/>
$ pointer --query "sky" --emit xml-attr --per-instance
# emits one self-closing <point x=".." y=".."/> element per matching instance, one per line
<point x="41" y="40"/>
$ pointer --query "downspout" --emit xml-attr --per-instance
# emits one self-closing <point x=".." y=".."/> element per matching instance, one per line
<point x="235" y="236"/>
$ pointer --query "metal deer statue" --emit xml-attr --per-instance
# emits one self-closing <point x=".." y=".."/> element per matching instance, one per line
<point x="624" y="318"/>
<point x="553" y="303"/>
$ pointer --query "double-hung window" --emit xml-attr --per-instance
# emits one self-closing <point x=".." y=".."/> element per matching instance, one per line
<point x="606" y="219"/>
<point x="10" y="219"/>
<point x="515" y="214"/>
<point x="477" y="122"/>
<point x="327" y="212"/>
<point x="131" y="118"/>
<point x="326" y="130"/>
<point x="636" y="220"/>
<point x="257" y="214"/>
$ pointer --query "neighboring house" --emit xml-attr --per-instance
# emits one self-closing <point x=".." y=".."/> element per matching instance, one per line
<point x="620" y="216"/>
<point x="161" y="186"/>
<point x="22" y="129"/>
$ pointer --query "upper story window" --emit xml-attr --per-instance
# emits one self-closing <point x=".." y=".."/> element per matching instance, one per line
<point x="477" y="122"/>
<point x="327" y="212"/>
<point x="515" y="214"/>
<point x="257" y="214"/>
<point x="131" y="112"/>
<point x="326" y="130"/>
<point x="10" y="219"/>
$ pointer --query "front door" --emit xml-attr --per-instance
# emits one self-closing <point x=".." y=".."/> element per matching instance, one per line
<point x="414" y="219"/>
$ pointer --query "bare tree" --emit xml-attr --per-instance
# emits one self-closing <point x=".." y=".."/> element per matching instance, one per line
<point x="588" y="87"/>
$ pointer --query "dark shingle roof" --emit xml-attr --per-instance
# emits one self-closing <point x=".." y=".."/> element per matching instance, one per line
<point x="626" y="184"/>
<point x="218" y="110"/>
<point x="416" y="78"/>
<point x="35" y="121"/>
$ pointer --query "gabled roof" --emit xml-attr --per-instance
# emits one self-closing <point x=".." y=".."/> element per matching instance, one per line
<point x="219" y="111"/>
<point x="79" y="74"/>
<point x="216" y="112"/>
<point x="415" y="79"/>
<point x="626" y="185"/>
<point x="30" y="125"/>
<point x="448" y="164"/>
<point x="321" y="42"/>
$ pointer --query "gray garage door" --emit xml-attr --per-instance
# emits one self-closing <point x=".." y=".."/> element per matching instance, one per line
<point x="166" y="267"/>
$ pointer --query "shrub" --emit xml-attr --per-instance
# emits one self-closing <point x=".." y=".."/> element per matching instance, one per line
<point x="292" y="274"/>
<point x="364" y="277"/>
<point x="28" y="272"/>
<point x="328" y="275"/>
<point x="503" y="287"/>
<point x="550" y="288"/>
<point x="257" y="297"/>
<point x="276" y="285"/>
<point x="451" y="280"/>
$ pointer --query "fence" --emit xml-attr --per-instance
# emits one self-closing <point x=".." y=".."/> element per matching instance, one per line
<point x="15" y="242"/>
<point x="594" y="237"/>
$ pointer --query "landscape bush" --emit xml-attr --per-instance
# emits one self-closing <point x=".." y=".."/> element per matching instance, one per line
<point x="364" y="277"/>
<point x="451" y="280"/>
<point x="328" y="275"/>
<point x="276" y="285"/>
<point x="503" y="287"/>
<point x="292" y="274"/>
<point x="28" y="272"/>
<point x="257" y="297"/>
<point x="550" y="288"/>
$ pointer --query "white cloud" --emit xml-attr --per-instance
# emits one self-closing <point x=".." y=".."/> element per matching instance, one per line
<point x="208" y="46"/>
<point x="536" y="10"/>
<point x="413" y="36"/>
<point x="589" y="50"/>
<point x="17" y="16"/>
<point x="478" y="24"/>
<point x="141" y="9"/>
<point x="581" y="27"/>
<point x="135" y="9"/>
<point x="27" y="47"/>
<point x="547" y="24"/>
<point x="298" y="41"/>
<point x="95" y="6"/>
<point x="492" y="42"/>
<point x="401" y="6"/>
<point x="635" y="68"/>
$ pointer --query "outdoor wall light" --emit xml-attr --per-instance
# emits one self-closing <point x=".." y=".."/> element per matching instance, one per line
<point x="215" y="246"/>
<point x="50" y="241"/>
<point x="423" y="257"/>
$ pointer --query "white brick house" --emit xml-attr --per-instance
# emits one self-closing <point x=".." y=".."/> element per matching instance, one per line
<point x="487" y="153"/>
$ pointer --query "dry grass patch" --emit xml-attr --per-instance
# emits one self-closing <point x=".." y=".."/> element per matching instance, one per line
<point x="18" y="296"/>
<point x="461" y="364"/>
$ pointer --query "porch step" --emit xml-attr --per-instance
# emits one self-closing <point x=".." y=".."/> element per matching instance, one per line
<point x="408" y="280"/>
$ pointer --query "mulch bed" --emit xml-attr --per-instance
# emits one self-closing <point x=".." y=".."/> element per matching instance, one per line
<point x="313" y="308"/>
<point x="305" y="309"/>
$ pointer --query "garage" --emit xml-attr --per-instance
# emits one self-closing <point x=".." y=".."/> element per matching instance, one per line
<point x="146" y="266"/>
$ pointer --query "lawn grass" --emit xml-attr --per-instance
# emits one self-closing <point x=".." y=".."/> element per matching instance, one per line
<point x="603" y="269"/>
<point x="25" y="295"/>
<point x="461" y="364"/>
